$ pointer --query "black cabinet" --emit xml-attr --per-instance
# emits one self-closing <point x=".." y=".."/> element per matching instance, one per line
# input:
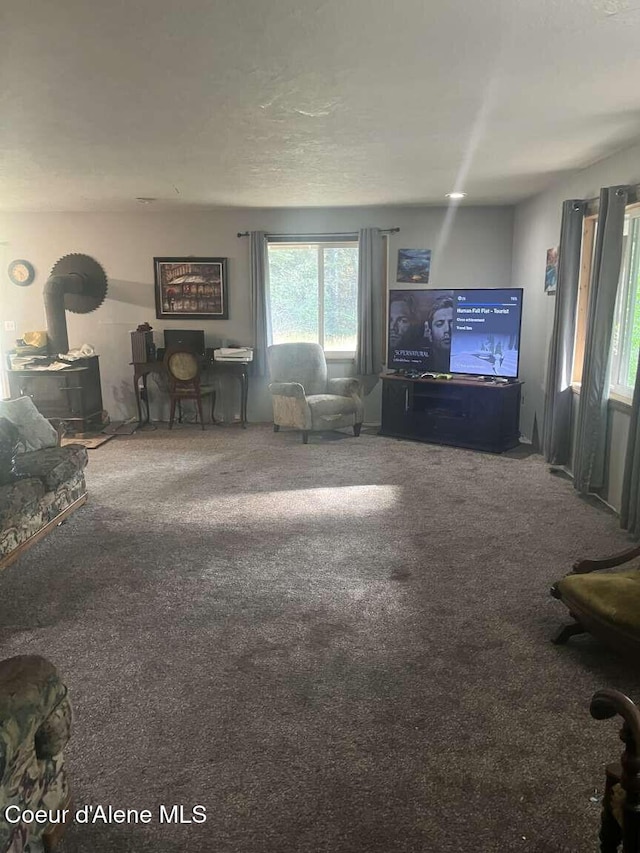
<point x="72" y="394"/>
<point x="461" y="412"/>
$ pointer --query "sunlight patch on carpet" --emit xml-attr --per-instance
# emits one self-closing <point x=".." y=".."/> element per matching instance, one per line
<point x="352" y="501"/>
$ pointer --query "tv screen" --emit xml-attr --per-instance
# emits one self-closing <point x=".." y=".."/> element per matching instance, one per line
<point x="474" y="332"/>
<point x="192" y="339"/>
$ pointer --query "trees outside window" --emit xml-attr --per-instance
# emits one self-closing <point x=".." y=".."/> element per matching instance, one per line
<point x="313" y="294"/>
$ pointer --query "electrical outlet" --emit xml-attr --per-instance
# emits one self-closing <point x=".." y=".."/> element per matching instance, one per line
<point x="9" y="325"/>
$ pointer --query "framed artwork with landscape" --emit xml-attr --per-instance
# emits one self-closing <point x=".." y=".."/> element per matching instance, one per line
<point x="414" y="265"/>
<point x="191" y="287"/>
<point x="551" y="271"/>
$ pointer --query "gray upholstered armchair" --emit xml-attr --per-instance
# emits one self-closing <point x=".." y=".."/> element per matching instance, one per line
<point x="303" y="397"/>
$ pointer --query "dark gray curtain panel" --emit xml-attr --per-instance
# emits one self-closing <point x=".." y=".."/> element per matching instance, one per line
<point x="370" y="303"/>
<point x="259" y="291"/>
<point x="558" y="394"/>
<point x="589" y="456"/>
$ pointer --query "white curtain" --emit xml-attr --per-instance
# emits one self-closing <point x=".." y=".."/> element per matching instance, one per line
<point x="369" y="355"/>
<point x="259" y="284"/>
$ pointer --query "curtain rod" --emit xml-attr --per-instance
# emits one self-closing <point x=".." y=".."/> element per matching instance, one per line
<point x="318" y="234"/>
<point x="592" y="205"/>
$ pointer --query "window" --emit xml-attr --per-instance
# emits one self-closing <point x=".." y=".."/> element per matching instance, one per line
<point x="625" y="339"/>
<point x="313" y="294"/>
<point x="586" y="261"/>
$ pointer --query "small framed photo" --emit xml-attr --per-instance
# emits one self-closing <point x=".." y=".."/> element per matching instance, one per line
<point x="181" y="284"/>
<point x="551" y="271"/>
<point x="414" y="265"/>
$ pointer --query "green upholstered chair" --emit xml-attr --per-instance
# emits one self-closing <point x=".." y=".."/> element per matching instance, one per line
<point x="35" y="725"/>
<point x="604" y="603"/>
<point x="620" y="823"/>
<point x="303" y="396"/>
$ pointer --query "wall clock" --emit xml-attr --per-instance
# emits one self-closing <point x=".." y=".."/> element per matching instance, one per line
<point x="21" y="272"/>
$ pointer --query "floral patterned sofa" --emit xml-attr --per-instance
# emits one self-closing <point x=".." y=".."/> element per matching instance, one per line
<point x="45" y="482"/>
<point x="35" y="726"/>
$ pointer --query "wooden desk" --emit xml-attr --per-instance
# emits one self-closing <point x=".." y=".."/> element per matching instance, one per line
<point x="237" y="368"/>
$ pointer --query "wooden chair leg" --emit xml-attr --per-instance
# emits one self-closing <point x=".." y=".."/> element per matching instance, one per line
<point x="213" y="407"/>
<point x="567" y="631"/>
<point x="172" y="413"/>
<point x="199" y="404"/>
<point x="610" y="831"/>
<point x="305" y="436"/>
<point x="356" y="429"/>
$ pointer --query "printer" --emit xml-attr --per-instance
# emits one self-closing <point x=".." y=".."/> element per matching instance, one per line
<point x="233" y="354"/>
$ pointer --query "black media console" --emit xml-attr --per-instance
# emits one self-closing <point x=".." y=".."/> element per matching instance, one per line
<point x="462" y="412"/>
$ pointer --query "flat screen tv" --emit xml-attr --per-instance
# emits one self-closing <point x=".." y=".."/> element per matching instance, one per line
<point x="192" y="339"/>
<point x="473" y="332"/>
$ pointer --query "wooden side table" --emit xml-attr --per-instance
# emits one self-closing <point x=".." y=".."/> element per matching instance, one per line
<point x="240" y="369"/>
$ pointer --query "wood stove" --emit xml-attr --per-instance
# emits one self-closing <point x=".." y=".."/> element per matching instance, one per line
<point x="73" y="394"/>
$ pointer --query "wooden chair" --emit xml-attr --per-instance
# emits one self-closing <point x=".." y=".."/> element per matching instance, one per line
<point x="183" y="369"/>
<point x="606" y="604"/>
<point x="620" y="821"/>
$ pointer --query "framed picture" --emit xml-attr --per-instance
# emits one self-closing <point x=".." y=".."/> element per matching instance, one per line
<point x="191" y="287"/>
<point x="551" y="271"/>
<point x="414" y="265"/>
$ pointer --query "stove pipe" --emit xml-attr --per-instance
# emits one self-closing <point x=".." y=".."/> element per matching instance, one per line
<point x="55" y="290"/>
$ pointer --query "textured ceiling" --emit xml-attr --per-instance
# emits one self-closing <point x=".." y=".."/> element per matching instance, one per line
<point x="308" y="102"/>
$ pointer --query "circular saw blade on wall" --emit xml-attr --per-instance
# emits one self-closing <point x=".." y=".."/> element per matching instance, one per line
<point x="94" y="287"/>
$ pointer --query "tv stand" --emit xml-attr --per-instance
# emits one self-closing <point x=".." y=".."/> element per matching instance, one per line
<point x="460" y="412"/>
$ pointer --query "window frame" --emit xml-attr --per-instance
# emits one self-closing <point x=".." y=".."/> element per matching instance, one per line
<point x="589" y="229"/>
<point x="320" y="245"/>
<point x="616" y="393"/>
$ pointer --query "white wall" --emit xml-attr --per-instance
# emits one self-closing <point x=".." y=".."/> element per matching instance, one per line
<point x="537" y="228"/>
<point x="472" y="248"/>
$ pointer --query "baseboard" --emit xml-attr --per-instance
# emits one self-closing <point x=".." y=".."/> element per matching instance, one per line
<point x="8" y="559"/>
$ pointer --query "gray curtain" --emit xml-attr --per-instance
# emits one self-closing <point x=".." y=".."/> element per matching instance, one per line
<point x="259" y="286"/>
<point x="558" y="395"/>
<point x="369" y="356"/>
<point x="589" y="457"/>
<point x="630" y="509"/>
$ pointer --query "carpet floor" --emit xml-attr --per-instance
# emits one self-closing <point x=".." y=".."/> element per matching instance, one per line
<point x="335" y="648"/>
